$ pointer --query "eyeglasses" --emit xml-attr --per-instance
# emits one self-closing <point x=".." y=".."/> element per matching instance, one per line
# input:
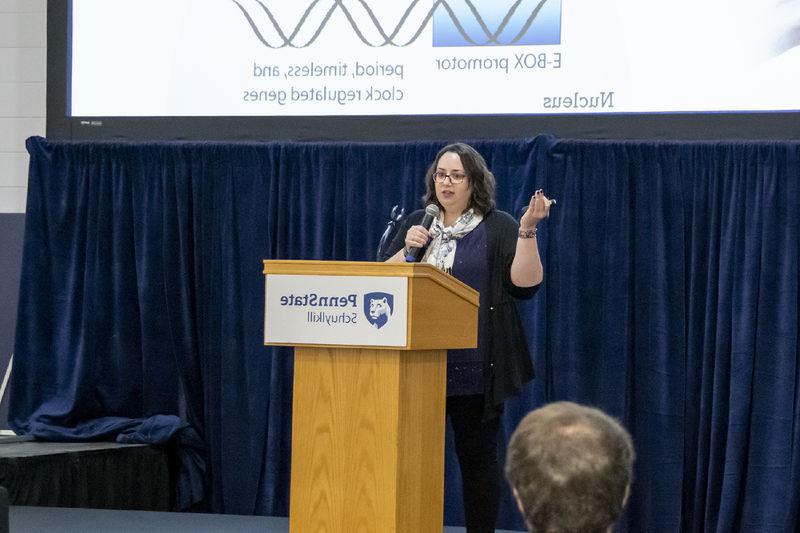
<point x="455" y="177"/>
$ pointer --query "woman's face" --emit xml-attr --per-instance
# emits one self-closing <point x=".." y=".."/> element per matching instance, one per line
<point x="454" y="197"/>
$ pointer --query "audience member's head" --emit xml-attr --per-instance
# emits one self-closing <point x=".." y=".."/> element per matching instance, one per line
<point x="570" y="468"/>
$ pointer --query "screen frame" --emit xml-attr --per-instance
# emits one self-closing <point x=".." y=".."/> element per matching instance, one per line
<point x="779" y="125"/>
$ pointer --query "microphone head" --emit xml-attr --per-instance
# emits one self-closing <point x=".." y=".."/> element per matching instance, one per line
<point x="432" y="210"/>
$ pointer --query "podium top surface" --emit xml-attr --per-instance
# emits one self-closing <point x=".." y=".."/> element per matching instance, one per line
<point x="367" y="268"/>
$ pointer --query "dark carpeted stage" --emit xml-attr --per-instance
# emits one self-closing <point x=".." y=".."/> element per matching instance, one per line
<point x="59" y="520"/>
<point x="103" y="475"/>
<point x="64" y="487"/>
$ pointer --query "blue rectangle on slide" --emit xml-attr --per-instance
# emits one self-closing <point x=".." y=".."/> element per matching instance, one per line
<point x="497" y="23"/>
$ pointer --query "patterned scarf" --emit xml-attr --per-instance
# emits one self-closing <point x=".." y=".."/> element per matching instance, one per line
<point x="442" y="250"/>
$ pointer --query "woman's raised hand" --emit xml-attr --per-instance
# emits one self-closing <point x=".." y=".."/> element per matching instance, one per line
<point x="538" y="209"/>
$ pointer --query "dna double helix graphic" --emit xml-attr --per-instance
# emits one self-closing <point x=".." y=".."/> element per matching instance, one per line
<point x="390" y="38"/>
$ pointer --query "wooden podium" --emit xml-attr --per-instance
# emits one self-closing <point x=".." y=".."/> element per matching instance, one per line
<point x="368" y="418"/>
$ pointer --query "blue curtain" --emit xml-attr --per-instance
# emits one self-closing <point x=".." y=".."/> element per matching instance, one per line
<point x="670" y="300"/>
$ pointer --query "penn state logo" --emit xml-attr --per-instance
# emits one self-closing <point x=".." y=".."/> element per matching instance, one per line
<point x="378" y="308"/>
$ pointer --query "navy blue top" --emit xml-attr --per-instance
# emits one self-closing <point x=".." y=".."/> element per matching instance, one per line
<point x="509" y="366"/>
<point x="465" y="367"/>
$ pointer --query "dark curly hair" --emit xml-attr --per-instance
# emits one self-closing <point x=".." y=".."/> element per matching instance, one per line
<point x="480" y="178"/>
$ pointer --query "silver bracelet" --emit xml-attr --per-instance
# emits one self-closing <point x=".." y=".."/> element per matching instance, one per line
<point x="527" y="233"/>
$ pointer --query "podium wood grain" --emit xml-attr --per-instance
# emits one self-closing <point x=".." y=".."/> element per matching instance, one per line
<point x="367" y="441"/>
<point x="368" y="422"/>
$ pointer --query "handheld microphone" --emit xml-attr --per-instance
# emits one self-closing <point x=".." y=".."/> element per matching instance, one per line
<point x="415" y="253"/>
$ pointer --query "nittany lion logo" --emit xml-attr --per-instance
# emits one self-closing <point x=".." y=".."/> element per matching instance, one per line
<point x="378" y="308"/>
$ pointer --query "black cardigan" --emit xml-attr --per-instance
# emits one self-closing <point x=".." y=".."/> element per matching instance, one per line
<point x="510" y="366"/>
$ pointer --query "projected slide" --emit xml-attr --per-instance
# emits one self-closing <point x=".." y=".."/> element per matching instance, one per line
<point x="144" y="58"/>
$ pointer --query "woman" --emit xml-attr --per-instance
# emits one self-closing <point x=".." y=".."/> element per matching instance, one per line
<point x="487" y="249"/>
